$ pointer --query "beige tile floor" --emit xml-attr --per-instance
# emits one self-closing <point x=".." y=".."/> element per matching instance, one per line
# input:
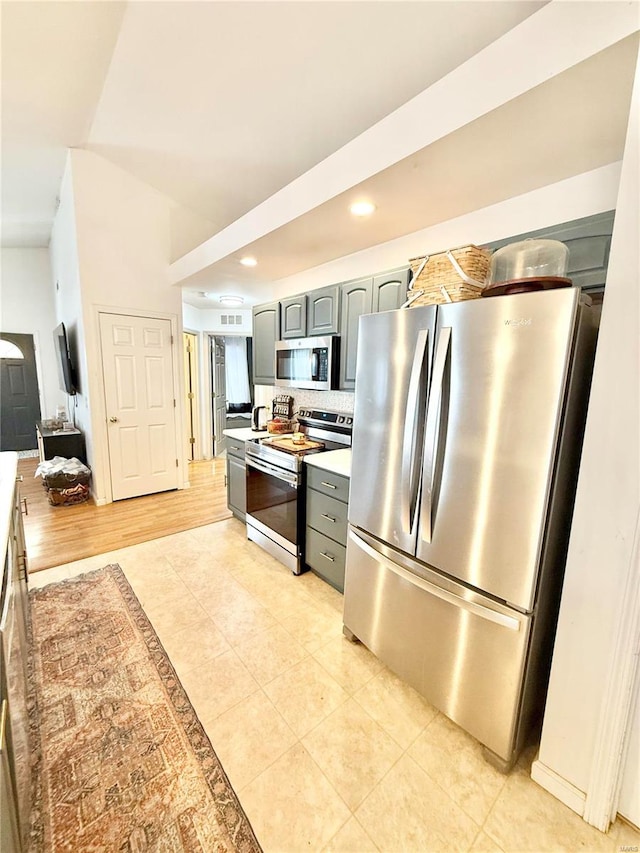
<point x="326" y="749"/>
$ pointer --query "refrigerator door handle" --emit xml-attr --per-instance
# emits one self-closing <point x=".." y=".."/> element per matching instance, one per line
<point x="410" y="440"/>
<point x="431" y="433"/>
<point x="510" y="622"/>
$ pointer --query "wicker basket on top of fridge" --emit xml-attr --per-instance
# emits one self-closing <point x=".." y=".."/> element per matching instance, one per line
<point x="451" y="276"/>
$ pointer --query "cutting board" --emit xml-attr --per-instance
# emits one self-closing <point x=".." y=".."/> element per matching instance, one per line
<point x="287" y="444"/>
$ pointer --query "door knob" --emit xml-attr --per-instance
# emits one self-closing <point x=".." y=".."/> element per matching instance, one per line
<point x="113" y="419"/>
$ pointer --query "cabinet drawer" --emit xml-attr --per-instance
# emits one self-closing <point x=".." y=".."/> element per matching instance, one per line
<point x="328" y="483"/>
<point x="326" y="558"/>
<point x="235" y="447"/>
<point x="327" y="515"/>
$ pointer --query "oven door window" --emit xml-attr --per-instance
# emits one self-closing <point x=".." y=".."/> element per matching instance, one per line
<point x="295" y="365"/>
<point x="273" y="502"/>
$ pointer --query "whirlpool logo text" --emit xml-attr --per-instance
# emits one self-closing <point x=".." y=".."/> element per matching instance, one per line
<point x="521" y="321"/>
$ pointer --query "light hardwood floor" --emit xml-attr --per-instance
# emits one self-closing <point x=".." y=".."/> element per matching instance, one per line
<point x="62" y="534"/>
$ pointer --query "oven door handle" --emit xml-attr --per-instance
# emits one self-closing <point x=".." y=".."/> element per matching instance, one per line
<point x="279" y="473"/>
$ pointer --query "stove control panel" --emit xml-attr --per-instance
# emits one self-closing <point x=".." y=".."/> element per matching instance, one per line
<point x="344" y="419"/>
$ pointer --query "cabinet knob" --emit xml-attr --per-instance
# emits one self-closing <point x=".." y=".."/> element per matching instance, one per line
<point x="113" y="419"/>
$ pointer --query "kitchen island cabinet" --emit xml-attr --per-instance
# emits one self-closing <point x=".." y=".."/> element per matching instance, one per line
<point x="15" y="775"/>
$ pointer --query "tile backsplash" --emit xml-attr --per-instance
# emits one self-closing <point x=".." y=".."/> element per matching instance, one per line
<point x="335" y="401"/>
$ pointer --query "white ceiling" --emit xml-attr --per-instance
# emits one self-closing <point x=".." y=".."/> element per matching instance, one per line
<point x="216" y="104"/>
<point x="221" y="104"/>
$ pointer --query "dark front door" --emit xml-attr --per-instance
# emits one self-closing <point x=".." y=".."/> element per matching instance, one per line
<point x="20" y="400"/>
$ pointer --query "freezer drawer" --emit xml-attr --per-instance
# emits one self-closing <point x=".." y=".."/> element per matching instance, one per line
<point x="464" y="652"/>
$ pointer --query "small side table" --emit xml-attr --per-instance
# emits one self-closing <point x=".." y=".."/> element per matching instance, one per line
<point x="59" y="442"/>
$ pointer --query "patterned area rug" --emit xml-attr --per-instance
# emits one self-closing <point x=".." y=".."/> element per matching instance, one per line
<point x="122" y="763"/>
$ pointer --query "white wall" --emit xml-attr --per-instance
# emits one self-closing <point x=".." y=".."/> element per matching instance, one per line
<point x="27" y="307"/>
<point x="210" y="320"/>
<point x="601" y="573"/>
<point x="68" y="301"/>
<point x="111" y="249"/>
<point x="583" y="195"/>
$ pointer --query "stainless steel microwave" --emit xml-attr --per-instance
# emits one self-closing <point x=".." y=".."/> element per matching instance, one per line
<point x="308" y="362"/>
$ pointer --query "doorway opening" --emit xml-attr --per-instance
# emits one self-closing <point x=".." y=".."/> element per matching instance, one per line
<point x="232" y="385"/>
<point x="190" y="347"/>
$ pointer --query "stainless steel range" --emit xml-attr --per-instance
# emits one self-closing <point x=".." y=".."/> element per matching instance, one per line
<point x="275" y="498"/>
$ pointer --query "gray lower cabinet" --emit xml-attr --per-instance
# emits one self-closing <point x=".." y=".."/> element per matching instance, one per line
<point x="327" y="497"/>
<point x="266" y="331"/>
<point x="15" y="775"/>
<point x="236" y="478"/>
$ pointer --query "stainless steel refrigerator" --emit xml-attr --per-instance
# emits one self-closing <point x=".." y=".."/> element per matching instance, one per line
<point x="468" y="428"/>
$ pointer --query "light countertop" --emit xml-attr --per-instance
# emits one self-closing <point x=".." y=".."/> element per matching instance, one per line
<point x="8" y="472"/>
<point x="336" y="461"/>
<point x="244" y="433"/>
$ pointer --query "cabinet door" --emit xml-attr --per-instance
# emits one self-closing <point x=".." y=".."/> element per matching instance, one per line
<point x="323" y="310"/>
<point x="237" y="487"/>
<point x="293" y="314"/>
<point x="356" y="299"/>
<point x="390" y="289"/>
<point x="266" y="331"/>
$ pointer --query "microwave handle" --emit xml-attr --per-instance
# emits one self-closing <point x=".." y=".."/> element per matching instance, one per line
<point x="314" y="364"/>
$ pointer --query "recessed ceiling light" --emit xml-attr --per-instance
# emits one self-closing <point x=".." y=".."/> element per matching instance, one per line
<point x="248" y="262"/>
<point x="231" y="301"/>
<point x="362" y="208"/>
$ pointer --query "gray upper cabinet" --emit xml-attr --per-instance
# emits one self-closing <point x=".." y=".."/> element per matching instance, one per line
<point x="390" y="289"/>
<point x="266" y="331"/>
<point x="383" y="292"/>
<point x="323" y="311"/>
<point x="356" y="298"/>
<point x="293" y="315"/>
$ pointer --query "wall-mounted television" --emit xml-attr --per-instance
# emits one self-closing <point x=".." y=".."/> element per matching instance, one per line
<point x="66" y="370"/>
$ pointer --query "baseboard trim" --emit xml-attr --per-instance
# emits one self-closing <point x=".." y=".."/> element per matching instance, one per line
<point x="560" y="788"/>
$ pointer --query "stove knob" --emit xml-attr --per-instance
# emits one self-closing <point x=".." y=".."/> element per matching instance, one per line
<point x="349" y="421"/>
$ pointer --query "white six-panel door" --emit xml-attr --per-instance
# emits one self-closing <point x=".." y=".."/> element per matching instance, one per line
<point x="140" y="404"/>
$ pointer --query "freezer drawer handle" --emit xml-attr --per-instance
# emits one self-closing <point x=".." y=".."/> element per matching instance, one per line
<point x="329" y="518"/>
<point x="328" y="485"/>
<point x="327" y="556"/>
<point x="484" y="612"/>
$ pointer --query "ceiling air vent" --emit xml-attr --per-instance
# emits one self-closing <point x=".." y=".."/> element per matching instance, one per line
<point x="231" y="319"/>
